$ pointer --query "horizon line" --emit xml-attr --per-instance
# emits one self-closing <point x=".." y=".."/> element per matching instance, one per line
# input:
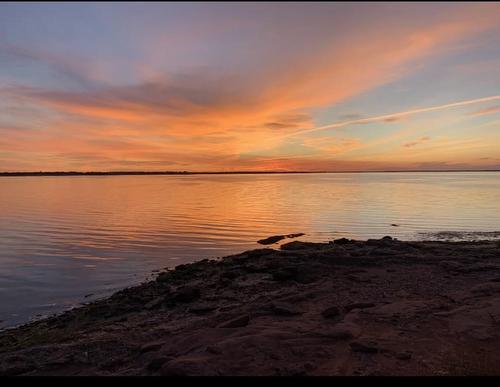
<point x="110" y="173"/>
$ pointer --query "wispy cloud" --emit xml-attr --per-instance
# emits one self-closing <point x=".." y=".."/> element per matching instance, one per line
<point x="414" y="143"/>
<point x="488" y="110"/>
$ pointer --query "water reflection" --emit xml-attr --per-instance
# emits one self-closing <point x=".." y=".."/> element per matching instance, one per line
<point x="64" y="237"/>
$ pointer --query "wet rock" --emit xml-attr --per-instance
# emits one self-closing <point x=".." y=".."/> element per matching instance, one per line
<point x="271" y="239"/>
<point x="358" y="305"/>
<point x="342" y="241"/>
<point x="186" y="294"/>
<point x="331" y="312"/>
<point x="277" y="238"/>
<point x="298" y="245"/>
<point x="364" y="347"/>
<point x="238" y="322"/>
<point x="387" y="238"/>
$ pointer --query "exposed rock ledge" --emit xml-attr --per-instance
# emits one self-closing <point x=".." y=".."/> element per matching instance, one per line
<point x="380" y="307"/>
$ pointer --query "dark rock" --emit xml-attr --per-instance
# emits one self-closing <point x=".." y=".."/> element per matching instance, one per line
<point x="336" y="333"/>
<point x="386" y="238"/>
<point x="231" y="274"/>
<point x="394" y="225"/>
<point x="156" y="303"/>
<point x="331" y="312"/>
<point x="277" y="238"/>
<point x="259" y="253"/>
<point x="157" y="363"/>
<point x="357" y="346"/>
<point x="202" y="309"/>
<point x="342" y="241"/>
<point x="285" y="274"/>
<point x="213" y="350"/>
<point x="238" y="322"/>
<point x="186" y="294"/>
<point x="403" y="355"/>
<point x="359" y="305"/>
<point x="295" y="235"/>
<point x="271" y="239"/>
<point x="298" y="245"/>
<point x="356" y="278"/>
<point x="15" y="370"/>
<point x="283" y="309"/>
<point x="150" y="347"/>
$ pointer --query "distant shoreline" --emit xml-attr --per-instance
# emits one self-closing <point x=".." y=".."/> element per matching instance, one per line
<point x="137" y="173"/>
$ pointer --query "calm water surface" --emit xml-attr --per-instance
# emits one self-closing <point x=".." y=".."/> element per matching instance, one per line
<point x="62" y="238"/>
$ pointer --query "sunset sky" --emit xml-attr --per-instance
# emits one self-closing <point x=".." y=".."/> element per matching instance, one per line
<point x="249" y="86"/>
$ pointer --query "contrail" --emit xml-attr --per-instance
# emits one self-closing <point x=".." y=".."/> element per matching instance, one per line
<point x="393" y="115"/>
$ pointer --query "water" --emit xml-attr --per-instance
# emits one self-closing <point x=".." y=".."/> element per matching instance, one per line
<point x="62" y="238"/>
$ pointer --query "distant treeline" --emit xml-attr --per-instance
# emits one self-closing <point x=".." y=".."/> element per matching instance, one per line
<point x="118" y="173"/>
<point x="72" y="173"/>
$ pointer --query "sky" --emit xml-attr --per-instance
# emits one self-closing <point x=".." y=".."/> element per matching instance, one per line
<point x="249" y="86"/>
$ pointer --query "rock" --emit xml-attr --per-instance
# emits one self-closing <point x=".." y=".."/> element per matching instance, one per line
<point x="359" y="305"/>
<point x="151" y="347"/>
<point x="403" y="356"/>
<point x="186" y="294"/>
<point x="259" y="253"/>
<point x="486" y="289"/>
<point x="298" y="245"/>
<point x="213" y="350"/>
<point x="202" y="309"/>
<point x="277" y="238"/>
<point x="157" y="363"/>
<point x="283" y="309"/>
<point x="394" y="225"/>
<point x="238" y="322"/>
<point x="357" y="346"/>
<point x="331" y="312"/>
<point x="271" y="239"/>
<point x="355" y="278"/>
<point x="336" y="333"/>
<point x="285" y="274"/>
<point x="15" y="370"/>
<point x="342" y="241"/>
<point x="387" y="238"/>
<point x="156" y="303"/>
<point x="231" y="274"/>
<point x="188" y="367"/>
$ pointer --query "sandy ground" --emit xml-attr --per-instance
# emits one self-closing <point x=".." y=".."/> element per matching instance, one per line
<point x="376" y="307"/>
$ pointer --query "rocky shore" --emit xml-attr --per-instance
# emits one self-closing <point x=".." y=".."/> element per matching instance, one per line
<point x="376" y="307"/>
